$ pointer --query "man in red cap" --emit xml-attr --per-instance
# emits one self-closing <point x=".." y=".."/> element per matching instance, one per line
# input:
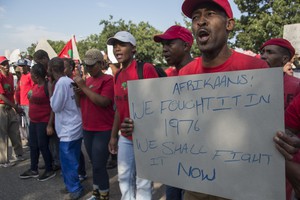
<point x="176" y="45"/>
<point x="9" y="126"/>
<point x="212" y="21"/>
<point x="277" y="52"/>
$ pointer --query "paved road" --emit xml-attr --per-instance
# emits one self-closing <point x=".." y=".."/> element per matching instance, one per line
<point x="13" y="188"/>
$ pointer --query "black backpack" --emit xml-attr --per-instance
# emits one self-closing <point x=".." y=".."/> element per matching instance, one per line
<point x="139" y="70"/>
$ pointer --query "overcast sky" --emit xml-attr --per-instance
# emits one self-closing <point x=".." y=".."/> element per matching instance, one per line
<point x="24" y="22"/>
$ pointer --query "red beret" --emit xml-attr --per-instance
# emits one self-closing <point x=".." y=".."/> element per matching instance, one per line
<point x="280" y="42"/>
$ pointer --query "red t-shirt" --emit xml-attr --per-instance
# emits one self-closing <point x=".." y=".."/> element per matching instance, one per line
<point x="25" y="86"/>
<point x="7" y="87"/>
<point x="292" y="114"/>
<point x="291" y="88"/>
<point x="39" y="105"/>
<point x="237" y="61"/>
<point x="171" y="71"/>
<point x="292" y="120"/>
<point x="121" y="92"/>
<point x="97" y="118"/>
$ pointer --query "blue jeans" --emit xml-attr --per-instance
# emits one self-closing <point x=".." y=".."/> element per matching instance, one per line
<point x="39" y="142"/>
<point x="132" y="187"/>
<point x="69" y="159"/>
<point x="96" y="145"/>
<point x="173" y="193"/>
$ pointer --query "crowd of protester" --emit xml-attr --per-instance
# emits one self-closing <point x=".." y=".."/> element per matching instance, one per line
<point x="54" y="106"/>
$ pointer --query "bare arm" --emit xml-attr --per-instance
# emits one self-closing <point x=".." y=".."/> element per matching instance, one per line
<point x="293" y="175"/>
<point x="50" y="125"/>
<point x="113" y="143"/>
<point x="94" y="97"/>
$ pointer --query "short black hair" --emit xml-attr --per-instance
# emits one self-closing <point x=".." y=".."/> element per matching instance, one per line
<point x="38" y="70"/>
<point x="40" y="54"/>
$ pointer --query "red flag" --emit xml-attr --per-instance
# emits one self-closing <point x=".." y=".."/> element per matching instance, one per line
<point x="67" y="51"/>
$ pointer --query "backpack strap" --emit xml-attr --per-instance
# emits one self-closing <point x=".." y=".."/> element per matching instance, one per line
<point x="140" y="70"/>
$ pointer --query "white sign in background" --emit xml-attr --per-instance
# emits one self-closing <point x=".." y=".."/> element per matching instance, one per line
<point x="291" y="33"/>
<point x="211" y="133"/>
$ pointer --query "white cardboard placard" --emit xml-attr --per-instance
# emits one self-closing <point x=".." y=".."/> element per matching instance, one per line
<point x="211" y="133"/>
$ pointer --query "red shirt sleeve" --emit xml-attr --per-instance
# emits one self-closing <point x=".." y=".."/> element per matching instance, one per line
<point x="292" y="114"/>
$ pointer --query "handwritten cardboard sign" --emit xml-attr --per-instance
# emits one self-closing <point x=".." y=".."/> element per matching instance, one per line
<point x="211" y="133"/>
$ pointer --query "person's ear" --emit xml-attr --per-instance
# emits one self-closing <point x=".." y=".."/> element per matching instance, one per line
<point x="187" y="46"/>
<point x="285" y="59"/>
<point x="230" y="24"/>
<point x="133" y="50"/>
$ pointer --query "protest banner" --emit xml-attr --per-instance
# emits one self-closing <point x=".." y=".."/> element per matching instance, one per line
<point x="211" y="133"/>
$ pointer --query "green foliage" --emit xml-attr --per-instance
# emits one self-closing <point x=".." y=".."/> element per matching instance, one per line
<point x="57" y="45"/>
<point x="147" y="49"/>
<point x="31" y="49"/>
<point x="262" y="20"/>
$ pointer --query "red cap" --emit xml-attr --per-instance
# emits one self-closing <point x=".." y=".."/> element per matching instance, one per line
<point x="189" y="6"/>
<point x="175" y="32"/>
<point x="280" y="42"/>
<point x="3" y="59"/>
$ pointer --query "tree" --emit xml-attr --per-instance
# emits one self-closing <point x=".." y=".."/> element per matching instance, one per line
<point x="147" y="49"/>
<point x="56" y="45"/>
<point x="262" y="20"/>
